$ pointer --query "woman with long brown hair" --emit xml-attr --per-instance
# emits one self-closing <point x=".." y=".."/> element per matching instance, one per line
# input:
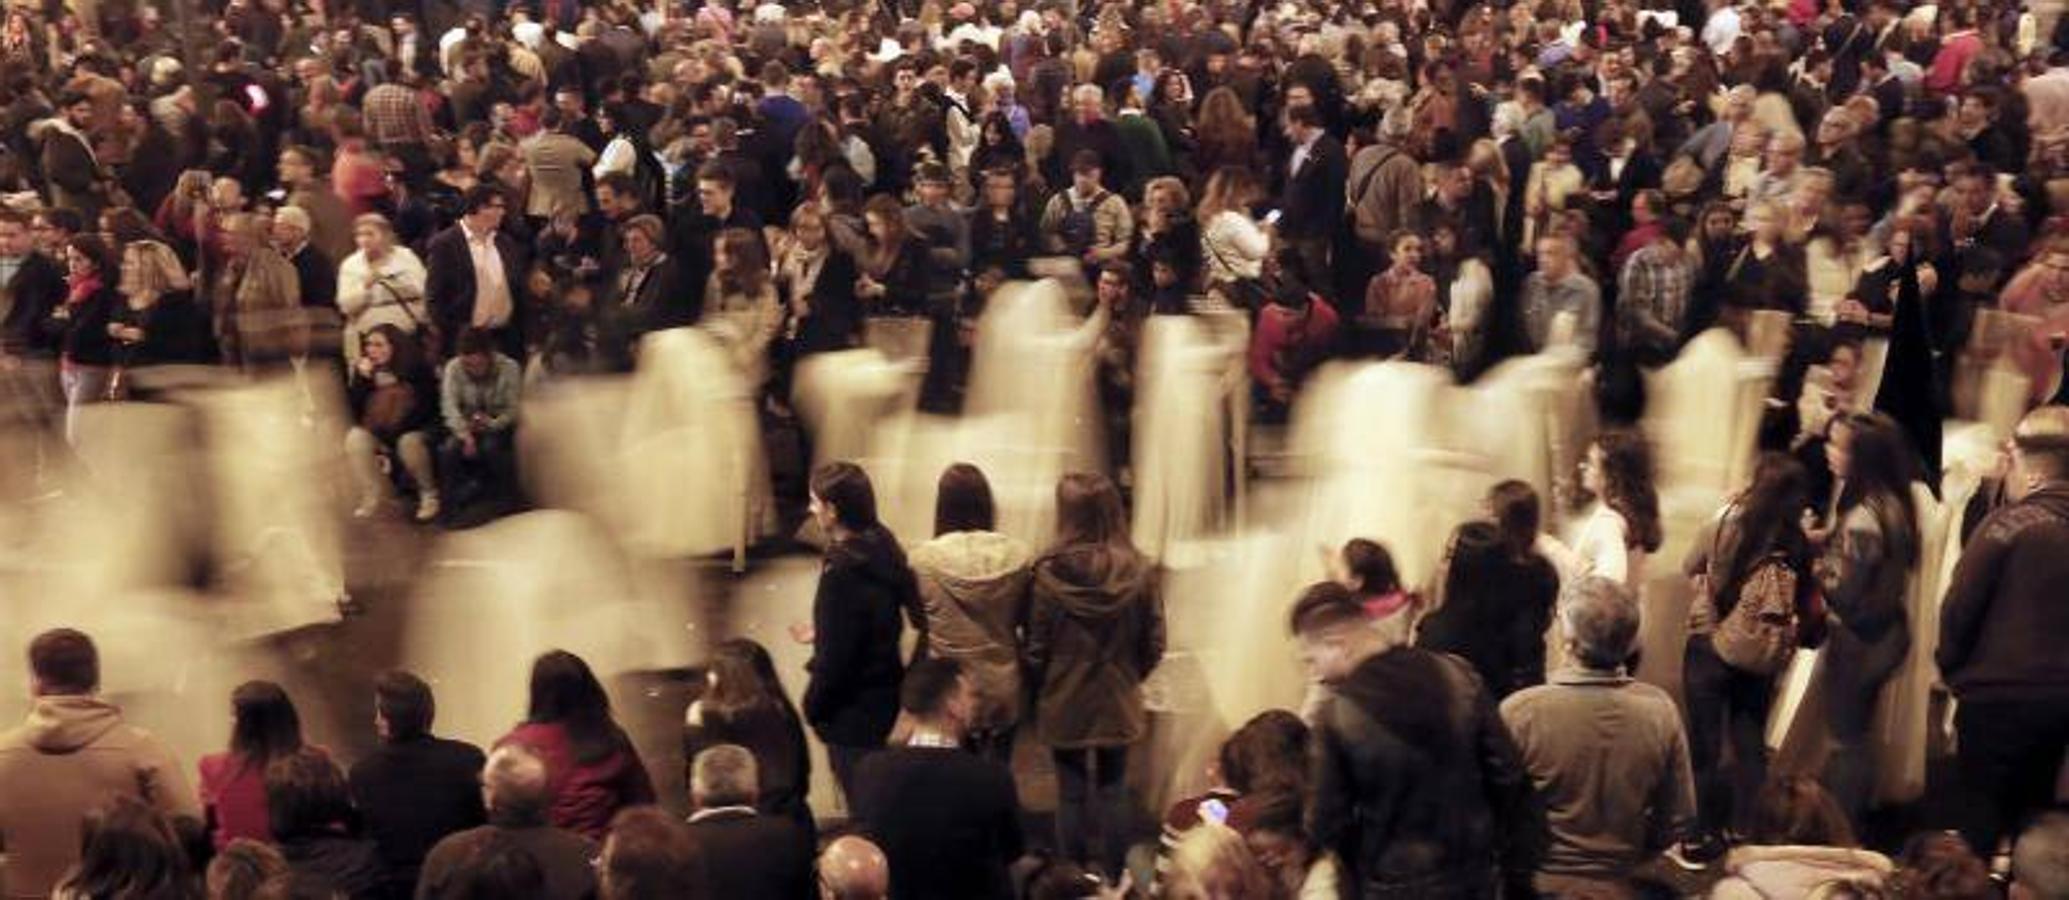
<point x="1226" y="134"/>
<point x="1095" y="631"/>
<point x="740" y="303"/>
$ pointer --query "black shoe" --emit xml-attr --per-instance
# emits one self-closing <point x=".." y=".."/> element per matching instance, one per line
<point x="1697" y="855"/>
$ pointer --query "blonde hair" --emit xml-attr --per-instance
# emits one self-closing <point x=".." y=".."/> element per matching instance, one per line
<point x="1212" y="861"/>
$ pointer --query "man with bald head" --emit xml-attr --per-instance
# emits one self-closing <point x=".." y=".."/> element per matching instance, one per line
<point x="852" y="868"/>
<point x="513" y="785"/>
<point x="2005" y="611"/>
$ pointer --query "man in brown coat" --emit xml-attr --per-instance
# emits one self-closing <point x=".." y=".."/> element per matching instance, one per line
<point x="73" y="755"/>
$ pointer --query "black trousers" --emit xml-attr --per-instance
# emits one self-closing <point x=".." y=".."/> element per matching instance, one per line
<point x="2008" y="755"/>
<point x="1724" y="705"/>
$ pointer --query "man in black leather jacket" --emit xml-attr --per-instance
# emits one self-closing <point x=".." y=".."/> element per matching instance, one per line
<point x="1418" y="786"/>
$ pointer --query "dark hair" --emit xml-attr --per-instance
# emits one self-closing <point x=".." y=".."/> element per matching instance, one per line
<point x="928" y="685"/>
<point x="474" y="340"/>
<point x="1268" y="753"/>
<point x="267" y="727"/>
<point x="1768" y="520"/>
<point x="128" y="851"/>
<point x="479" y="197"/>
<point x="68" y="221"/>
<point x="498" y="868"/>
<point x="716" y="172"/>
<point x="407" y="360"/>
<point x="1795" y="809"/>
<point x="1324" y="604"/>
<point x="129" y="226"/>
<point x="565" y="692"/>
<point x="746" y="681"/>
<point x="1881" y="463"/>
<point x="846" y="487"/>
<point x="97" y="252"/>
<point x="1089" y="513"/>
<point x="1939" y="866"/>
<point x="651" y="856"/>
<point x="1627" y="485"/>
<point x="1514" y="505"/>
<point x="404" y="701"/>
<point x="1274" y="811"/>
<point x="1372" y="565"/>
<point x="64" y="661"/>
<point x="621" y="183"/>
<point x="962" y="501"/>
<point x="306" y="795"/>
<point x="1304" y="116"/>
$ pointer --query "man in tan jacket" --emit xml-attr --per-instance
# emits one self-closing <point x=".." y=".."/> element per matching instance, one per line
<point x="73" y="755"/>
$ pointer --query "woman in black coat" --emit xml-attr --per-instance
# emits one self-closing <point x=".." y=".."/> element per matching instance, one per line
<point x="158" y="323"/>
<point x="1498" y="595"/>
<point x="865" y="589"/>
<point x="80" y="325"/>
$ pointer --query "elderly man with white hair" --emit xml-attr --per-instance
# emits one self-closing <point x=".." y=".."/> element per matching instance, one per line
<point x="1606" y="751"/>
<point x="761" y="856"/>
<point x="514" y="787"/>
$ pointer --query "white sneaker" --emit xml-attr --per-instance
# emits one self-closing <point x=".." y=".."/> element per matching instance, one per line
<point x="427" y="506"/>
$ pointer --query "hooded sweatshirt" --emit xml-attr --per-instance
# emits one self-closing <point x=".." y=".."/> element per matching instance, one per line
<point x="72" y="756"/>
<point x="852" y="697"/>
<point x="1096" y="630"/>
<point x="973" y="592"/>
<point x="2004" y="614"/>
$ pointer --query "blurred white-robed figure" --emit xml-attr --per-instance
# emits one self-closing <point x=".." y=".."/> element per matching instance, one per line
<point x="1188" y="406"/>
<point x="1031" y="413"/>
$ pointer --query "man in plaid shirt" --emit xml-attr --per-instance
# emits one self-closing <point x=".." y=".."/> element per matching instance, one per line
<point x="1653" y="294"/>
<point x="398" y="122"/>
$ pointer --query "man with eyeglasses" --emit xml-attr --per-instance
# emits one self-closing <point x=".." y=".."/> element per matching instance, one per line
<point x="472" y="274"/>
<point x="2006" y="609"/>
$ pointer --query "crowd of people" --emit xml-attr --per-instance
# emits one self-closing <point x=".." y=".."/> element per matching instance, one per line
<point x="1449" y="751"/>
<point x="453" y="206"/>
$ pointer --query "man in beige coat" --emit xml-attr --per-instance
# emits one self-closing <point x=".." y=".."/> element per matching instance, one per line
<point x="73" y="755"/>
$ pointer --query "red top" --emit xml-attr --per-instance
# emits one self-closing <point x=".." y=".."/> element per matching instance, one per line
<point x="234" y="795"/>
<point x="585" y="797"/>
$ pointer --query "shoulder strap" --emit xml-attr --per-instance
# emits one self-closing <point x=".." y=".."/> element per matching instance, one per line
<point x="1386" y="154"/>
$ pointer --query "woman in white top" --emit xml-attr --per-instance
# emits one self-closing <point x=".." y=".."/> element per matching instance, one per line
<point x="379" y="284"/>
<point x="1622" y="527"/>
<point x="1233" y="245"/>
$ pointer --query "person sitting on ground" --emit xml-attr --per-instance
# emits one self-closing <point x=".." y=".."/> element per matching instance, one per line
<point x="591" y="764"/>
<point x="1798" y="841"/>
<point x="852" y="868"/>
<point x="478" y="399"/>
<point x="2040" y="860"/>
<point x="764" y="856"/>
<point x="127" y="850"/>
<point x="73" y="754"/>
<point x="310" y="811"/>
<point x="264" y="728"/>
<point x="970" y="830"/>
<point x="415" y="788"/>
<point x="650" y="855"/>
<point x="247" y="870"/>
<point x="515" y="788"/>
<point x="1269" y="753"/>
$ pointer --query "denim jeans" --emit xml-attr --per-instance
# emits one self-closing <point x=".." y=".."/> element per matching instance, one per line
<point x="1092" y="806"/>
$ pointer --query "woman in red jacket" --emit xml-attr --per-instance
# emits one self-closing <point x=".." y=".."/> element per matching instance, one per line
<point x="592" y="769"/>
